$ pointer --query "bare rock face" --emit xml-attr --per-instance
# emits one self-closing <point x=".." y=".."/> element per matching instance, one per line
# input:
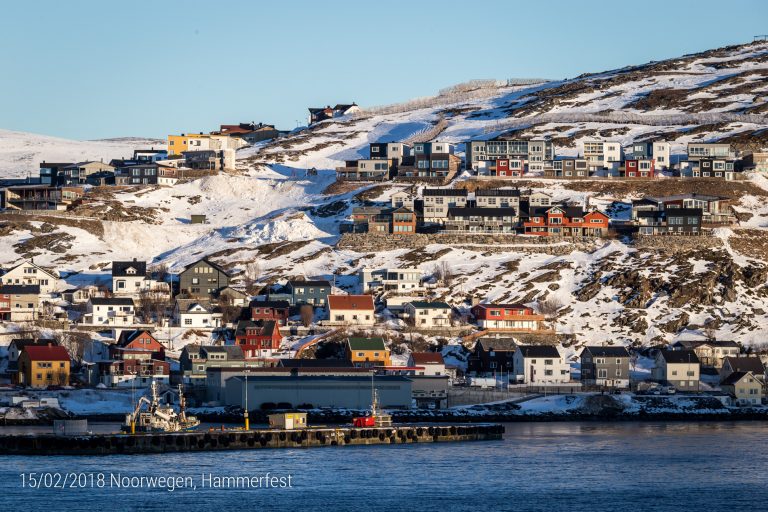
<point x="602" y="405"/>
<point x="676" y="325"/>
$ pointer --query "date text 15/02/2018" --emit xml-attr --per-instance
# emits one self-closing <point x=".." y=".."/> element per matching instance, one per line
<point x="72" y="480"/>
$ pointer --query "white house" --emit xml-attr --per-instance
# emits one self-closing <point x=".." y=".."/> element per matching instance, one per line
<point x="196" y="313"/>
<point x="400" y="280"/>
<point x="351" y="310"/>
<point x="109" y="311"/>
<point x="662" y="154"/>
<point x="401" y="199"/>
<point x="130" y="279"/>
<point x="431" y="362"/>
<point x="28" y="273"/>
<point x="540" y="364"/>
<point x="679" y="368"/>
<point x="428" y="315"/>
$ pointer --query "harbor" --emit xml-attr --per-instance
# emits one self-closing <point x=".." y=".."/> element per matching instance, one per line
<point x="212" y="440"/>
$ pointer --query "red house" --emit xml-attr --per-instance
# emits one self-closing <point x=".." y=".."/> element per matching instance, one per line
<point x="507" y="317"/>
<point x="277" y="310"/>
<point x="258" y="339"/>
<point x="139" y="341"/>
<point x="565" y="221"/>
<point x="506" y="168"/>
<point x="642" y="168"/>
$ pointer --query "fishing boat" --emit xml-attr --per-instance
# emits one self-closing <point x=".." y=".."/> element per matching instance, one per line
<point x="159" y="418"/>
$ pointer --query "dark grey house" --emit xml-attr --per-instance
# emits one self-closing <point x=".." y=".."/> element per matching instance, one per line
<point x="196" y="359"/>
<point x="203" y="279"/>
<point x="300" y="292"/>
<point x="481" y="220"/>
<point x="670" y="221"/>
<point x="605" y="366"/>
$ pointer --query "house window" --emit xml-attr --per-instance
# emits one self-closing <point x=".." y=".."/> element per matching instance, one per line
<point x="187" y="321"/>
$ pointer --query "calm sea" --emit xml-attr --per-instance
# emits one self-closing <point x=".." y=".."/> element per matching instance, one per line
<point x="537" y="467"/>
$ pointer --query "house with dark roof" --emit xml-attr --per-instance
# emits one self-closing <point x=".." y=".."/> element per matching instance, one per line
<point x="673" y="221"/>
<point x="540" y="365"/>
<point x="303" y="291"/>
<point x="745" y="388"/>
<point x="196" y="314"/>
<point x="317" y="114"/>
<point x="481" y="220"/>
<point x="203" y="279"/>
<point x="137" y="340"/>
<point x="277" y="310"/>
<point x="678" y="368"/>
<point x="437" y="201"/>
<point x="195" y="360"/>
<point x="367" y="352"/>
<point x="743" y="364"/>
<point x="129" y="277"/>
<point x="492" y="355"/>
<point x="605" y="367"/>
<point x="564" y="220"/>
<point x="710" y="352"/>
<point x="258" y="339"/>
<point x="428" y="315"/>
<point x="19" y="302"/>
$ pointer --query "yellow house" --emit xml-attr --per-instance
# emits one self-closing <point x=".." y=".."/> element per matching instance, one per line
<point x="744" y="387"/>
<point x="368" y="352"/>
<point x="177" y="144"/>
<point x="43" y="365"/>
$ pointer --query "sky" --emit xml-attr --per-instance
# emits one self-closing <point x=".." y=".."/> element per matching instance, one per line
<point x="86" y="69"/>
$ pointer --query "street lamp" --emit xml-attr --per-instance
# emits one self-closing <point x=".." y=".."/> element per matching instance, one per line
<point x="245" y="406"/>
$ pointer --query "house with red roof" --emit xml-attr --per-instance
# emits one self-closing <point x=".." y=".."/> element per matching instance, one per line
<point x="43" y="365"/>
<point x="351" y="310"/>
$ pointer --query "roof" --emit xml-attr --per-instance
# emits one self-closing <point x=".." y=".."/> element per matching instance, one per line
<point x="678" y="197"/>
<point x="120" y="268"/>
<point x="745" y="364"/>
<point x="504" y="192"/>
<point x="422" y="304"/>
<point x="234" y="352"/>
<point x="356" y="343"/>
<point x="459" y="192"/>
<point x="351" y="302"/>
<point x="713" y="343"/>
<point x="266" y="327"/>
<point x="277" y="304"/>
<point x="20" y="289"/>
<point x="46" y="353"/>
<point x="126" y="337"/>
<point x="111" y="301"/>
<point x="185" y="305"/>
<point x="482" y="212"/>
<point x="503" y="306"/>
<point x="208" y="262"/>
<point x="679" y="356"/>
<point x="28" y="342"/>
<point x="539" y="351"/>
<point x="735" y="377"/>
<point x="314" y="363"/>
<point x="302" y="282"/>
<point x="497" y="344"/>
<point x="607" y="351"/>
<point x="420" y="358"/>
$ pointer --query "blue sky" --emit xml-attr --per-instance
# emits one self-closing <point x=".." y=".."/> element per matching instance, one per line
<point x="97" y="69"/>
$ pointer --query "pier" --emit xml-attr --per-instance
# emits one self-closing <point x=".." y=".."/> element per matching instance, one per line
<point x="111" y="444"/>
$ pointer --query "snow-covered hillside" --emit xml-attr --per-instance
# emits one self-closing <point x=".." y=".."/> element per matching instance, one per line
<point x="273" y="211"/>
<point x="21" y="153"/>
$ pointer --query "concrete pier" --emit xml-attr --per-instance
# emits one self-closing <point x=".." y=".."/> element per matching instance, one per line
<point x="110" y="444"/>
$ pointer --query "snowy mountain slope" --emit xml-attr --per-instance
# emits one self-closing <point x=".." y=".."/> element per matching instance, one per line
<point x="273" y="211"/>
<point x="21" y="153"/>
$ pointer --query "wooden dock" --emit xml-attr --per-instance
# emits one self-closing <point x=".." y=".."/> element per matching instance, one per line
<point x="111" y="444"/>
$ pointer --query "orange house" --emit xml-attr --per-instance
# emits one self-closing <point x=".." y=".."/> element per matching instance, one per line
<point x="403" y="221"/>
<point x="565" y="221"/>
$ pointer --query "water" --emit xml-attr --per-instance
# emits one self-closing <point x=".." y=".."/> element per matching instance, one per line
<point x="537" y="467"/>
